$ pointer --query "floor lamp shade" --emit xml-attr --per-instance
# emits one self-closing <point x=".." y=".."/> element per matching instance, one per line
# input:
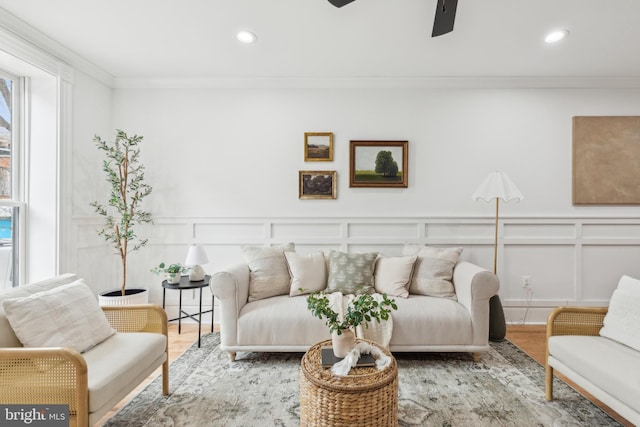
<point x="497" y="185"/>
<point x="195" y="258"/>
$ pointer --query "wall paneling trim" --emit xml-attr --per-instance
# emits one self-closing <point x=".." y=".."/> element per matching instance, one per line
<point x="571" y="260"/>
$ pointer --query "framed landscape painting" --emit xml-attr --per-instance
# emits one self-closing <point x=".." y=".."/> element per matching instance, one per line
<point x="378" y="164"/>
<point x="318" y="147"/>
<point x="317" y="184"/>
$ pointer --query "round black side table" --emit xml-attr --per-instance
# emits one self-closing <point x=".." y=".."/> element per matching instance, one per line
<point x="184" y="284"/>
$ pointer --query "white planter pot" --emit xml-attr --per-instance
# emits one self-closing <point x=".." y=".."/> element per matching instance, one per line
<point x="132" y="297"/>
<point x="173" y="278"/>
<point x="343" y="343"/>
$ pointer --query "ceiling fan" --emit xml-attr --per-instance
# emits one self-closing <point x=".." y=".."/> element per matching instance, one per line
<point x="443" y="22"/>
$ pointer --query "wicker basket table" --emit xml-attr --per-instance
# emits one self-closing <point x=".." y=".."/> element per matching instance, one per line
<point x="365" y="397"/>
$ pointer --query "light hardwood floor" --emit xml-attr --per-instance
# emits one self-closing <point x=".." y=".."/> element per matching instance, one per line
<point x="530" y="338"/>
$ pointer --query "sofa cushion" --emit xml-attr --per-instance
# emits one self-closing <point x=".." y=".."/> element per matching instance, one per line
<point x="622" y="321"/>
<point x="112" y="363"/>
<point x="609" y="365"/>
<point x="307" y="271"/>
<point x="351" y="273"/>
<point x="280" y="320"/>
<point x="392" y="275"/>
<point x="269" y="274"/>
<point x="7" y="335"/>
<point x="433" y="270"/>
<point x="65" y="316"/>
<point x="423" y="320"/>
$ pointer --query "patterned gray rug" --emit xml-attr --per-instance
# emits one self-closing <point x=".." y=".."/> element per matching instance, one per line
<point x="435" y="389"/>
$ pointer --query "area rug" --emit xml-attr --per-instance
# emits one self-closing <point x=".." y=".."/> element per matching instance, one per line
<point x="506" y="388"/>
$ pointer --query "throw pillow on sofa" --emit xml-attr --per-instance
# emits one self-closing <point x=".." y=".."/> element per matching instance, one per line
<point x="308" y="271"/>
<point x="269" y="275"/>
<point x="392" y="275"/>
<point x="351" y="273"/>
<point x="622" y="321"/>
<point x="433" y="271"/>
<point x="66" y="316"/>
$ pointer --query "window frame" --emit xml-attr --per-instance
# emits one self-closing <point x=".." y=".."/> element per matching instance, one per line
<point x="18" y="174"/>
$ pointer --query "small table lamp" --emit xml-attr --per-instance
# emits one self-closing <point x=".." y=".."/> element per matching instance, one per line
<point x="195" y="257"/>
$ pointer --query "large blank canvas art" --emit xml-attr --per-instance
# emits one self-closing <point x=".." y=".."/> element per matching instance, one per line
<point x="606" y="160"/>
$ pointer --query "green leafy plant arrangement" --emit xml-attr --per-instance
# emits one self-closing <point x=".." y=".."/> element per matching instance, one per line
<point x="170" y="269"/>
<point x="361" y="310"/>
<point x="123" y="210"/>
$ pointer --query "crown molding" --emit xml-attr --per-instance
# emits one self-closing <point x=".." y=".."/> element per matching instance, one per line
<point x="526" y="82"/>
<point x="30" y="45"/>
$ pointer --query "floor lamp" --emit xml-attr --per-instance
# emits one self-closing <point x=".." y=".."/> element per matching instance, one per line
<point x="497" y="186"/>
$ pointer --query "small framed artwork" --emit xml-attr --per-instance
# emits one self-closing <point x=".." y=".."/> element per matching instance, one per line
<point x="318" y="147"/>
<point x="379" y="164"/>
<point x="317" y="184"/>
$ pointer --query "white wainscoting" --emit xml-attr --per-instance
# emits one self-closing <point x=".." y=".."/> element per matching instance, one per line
<point x="571" y="260"/>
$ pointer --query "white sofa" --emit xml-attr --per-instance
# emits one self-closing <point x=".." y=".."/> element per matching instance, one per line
<point x="92" y="382"/>
<point x="421" y="324"/>
<point x="599" y="350"/>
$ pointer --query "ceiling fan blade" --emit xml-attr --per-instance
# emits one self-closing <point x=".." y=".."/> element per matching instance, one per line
<point x="340" y="3"/>
<point x="445" y="17"/>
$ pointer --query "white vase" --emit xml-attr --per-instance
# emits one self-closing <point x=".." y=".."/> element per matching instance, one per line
<point x="173" y="278"/>
<point x="343" y="343"/>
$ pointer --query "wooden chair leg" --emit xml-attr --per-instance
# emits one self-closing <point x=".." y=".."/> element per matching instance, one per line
<point x="476" y="356"/>
<point x="232" y="356"/>
<point x="165" y="378"/>
<point x="549" y="383"/>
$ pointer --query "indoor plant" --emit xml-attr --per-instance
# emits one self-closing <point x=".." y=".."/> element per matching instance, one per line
<point x="172" y="271"/>
<point x="123" y="211"/>
<point x="362" y="309"/>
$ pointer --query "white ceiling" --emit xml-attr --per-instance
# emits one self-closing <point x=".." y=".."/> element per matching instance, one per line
<point x="367" y="38"/>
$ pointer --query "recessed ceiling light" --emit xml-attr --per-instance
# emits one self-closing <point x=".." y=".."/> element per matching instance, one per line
<point x="246" y="36"/>
<point x="556" y="36"/>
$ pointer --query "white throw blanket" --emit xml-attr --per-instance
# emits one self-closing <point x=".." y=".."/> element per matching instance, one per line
<point x="342" y="368"/>
<point x="378" y="332"/>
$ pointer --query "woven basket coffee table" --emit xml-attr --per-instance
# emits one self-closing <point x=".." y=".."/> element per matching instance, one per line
<point x="365" y="397"/>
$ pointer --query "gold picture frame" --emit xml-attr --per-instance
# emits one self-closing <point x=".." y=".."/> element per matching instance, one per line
<point x="318" y="147"/>
<point x="379" y="164"/>
<point x="317" y="184"/>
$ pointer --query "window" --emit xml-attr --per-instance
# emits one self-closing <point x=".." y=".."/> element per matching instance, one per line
<point x="10" y="195"/>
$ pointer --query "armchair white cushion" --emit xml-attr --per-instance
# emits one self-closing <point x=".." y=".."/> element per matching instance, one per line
<point x="66" y="316"/>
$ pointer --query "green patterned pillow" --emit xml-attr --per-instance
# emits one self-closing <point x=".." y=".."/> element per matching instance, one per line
<point x="351" y="273"/>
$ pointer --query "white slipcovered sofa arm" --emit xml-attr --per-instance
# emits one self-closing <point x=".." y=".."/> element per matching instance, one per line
<point x="231" y="287"/>
<point x="474" y="287"/>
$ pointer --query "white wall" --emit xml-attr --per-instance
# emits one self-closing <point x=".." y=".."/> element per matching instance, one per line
<point x="92" y="115"/>
<point x="224" y="166"/>
<point x="242" y="149"/>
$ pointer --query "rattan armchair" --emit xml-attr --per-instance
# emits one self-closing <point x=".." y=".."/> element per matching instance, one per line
<point x="60" y="375"/>
<point x="571" y="321"/>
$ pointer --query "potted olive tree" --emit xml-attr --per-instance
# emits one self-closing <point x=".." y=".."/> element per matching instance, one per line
<point x="362" y="309"/>
<point x="123" y="211"/>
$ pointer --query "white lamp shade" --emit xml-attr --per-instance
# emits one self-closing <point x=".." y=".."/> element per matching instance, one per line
<point x="497" y="186"/>
<point x="196" y="256"/>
